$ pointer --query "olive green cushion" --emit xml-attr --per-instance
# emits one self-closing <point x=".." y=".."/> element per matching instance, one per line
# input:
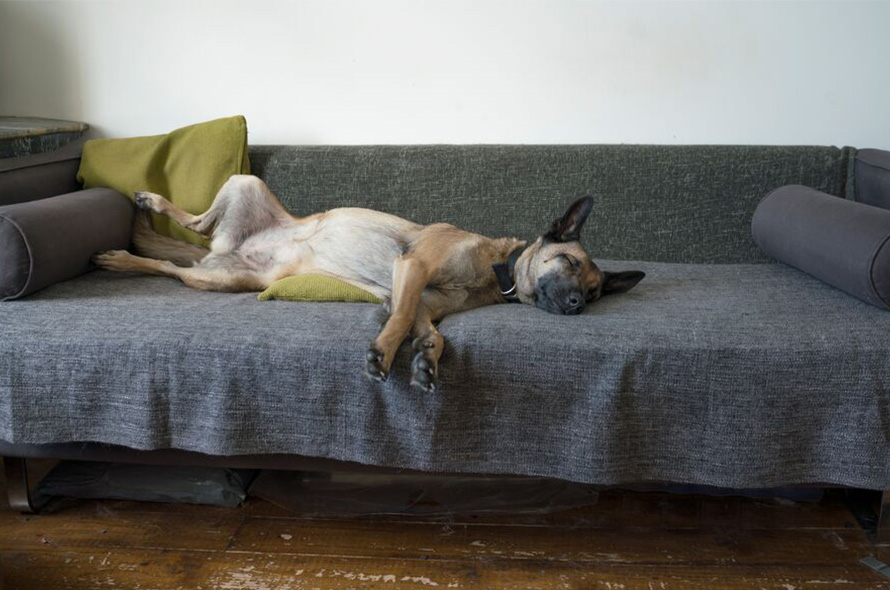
<point x="188" y="166"/>
<point x="315" y="288"/>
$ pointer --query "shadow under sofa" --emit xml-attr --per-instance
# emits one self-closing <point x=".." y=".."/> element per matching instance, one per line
<point x="722" y="368"/>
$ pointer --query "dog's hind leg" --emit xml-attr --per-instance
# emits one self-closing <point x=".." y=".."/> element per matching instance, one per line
<point x="157" y="204"/>
<point x="242" y="207"/>
<point x="206" y="279"/>
<point x="153" y="245"/>
<point x="410" y="276"/>
<point x="428" y="345"/>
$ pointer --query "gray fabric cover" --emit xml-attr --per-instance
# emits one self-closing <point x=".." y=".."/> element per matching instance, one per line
<point x="50" y="240"/>
<point x="39" y="176"/>
<point x="661" y="203"/>
<point x="873" y="177"/>
<point x="728" y="375"/>
<point x="843" y="243"/>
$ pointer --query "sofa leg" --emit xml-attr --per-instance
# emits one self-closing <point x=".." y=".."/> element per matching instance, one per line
<point x="882" y="529"/>
<point x="17" y="489"/>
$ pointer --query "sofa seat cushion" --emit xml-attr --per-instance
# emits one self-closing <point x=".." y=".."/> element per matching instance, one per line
<point x="727" y="375"/>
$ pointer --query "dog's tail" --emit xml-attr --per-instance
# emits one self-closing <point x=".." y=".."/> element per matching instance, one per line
<point x="153" y="245"/>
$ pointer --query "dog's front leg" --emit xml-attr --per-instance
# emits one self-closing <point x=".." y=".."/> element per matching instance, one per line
<point x="428" y="345"/>
<point x="410" y="276"/>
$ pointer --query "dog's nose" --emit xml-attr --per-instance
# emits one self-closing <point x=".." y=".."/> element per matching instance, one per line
<point x="573" y="304"/>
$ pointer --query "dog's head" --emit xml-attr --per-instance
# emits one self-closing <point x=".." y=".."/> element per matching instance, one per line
<point x="556" y="274"/>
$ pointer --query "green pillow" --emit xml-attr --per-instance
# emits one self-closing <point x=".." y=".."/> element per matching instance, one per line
<point x="315" y="288"/>
<point x="188" y="166"/>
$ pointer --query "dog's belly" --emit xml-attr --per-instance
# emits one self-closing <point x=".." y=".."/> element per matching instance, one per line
<point x="356" y="245"/>
<point x="276" y="252"/>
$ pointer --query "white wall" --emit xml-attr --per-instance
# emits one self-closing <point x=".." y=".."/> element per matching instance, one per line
<point x="459" y="72"/>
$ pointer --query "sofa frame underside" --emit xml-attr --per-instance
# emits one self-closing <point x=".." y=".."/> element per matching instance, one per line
<point x="19" y="487"/>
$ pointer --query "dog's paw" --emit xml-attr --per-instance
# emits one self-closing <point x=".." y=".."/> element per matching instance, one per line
<point x="147" y="201"/>
<point x="424" y="368"/>
<point x="374" y="368"/>
<point x="117" y="260"/>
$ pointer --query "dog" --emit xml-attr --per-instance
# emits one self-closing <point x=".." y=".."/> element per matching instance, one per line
<point x="422" y="272"/>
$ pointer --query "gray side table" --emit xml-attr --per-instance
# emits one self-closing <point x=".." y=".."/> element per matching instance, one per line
<point x="23" y="136"/>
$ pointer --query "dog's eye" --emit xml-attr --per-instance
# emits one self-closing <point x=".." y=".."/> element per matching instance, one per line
<point x="571" y="260"/>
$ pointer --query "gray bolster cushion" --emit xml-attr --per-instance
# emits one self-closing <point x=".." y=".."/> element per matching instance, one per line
<point x="844" y="243"/>
<point x="51" y="240"/>
<point x="873" y="178"/>
<point x="40" y="175"/>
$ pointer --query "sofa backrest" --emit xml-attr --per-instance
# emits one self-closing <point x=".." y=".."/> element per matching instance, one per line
<point x="657" y="203"/>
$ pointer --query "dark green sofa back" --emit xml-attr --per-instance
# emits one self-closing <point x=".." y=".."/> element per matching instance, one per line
<point x="658" y="203"/>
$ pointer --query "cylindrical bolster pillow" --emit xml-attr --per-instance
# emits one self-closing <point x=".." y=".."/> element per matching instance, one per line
<point x="844" y="243"/>
<point x="50" y="240"/>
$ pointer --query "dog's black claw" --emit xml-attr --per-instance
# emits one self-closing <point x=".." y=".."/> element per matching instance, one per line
<point x="426" y="386"/>
<point x="423" y="373"/>
<point x="375" y="373"/>
<point x="374" y="366"/>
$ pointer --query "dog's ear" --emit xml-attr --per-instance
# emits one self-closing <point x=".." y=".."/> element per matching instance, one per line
<point x="568" y="227"/>
<point x="621" y="282"/>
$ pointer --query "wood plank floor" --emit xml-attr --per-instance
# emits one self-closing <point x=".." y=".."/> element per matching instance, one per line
<point x="627" y="541"/>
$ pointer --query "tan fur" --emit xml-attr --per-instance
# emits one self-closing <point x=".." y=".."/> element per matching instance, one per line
<point x="427" y="272"/>
<point x="540" y="258"/>
<point x="153" y="245"/>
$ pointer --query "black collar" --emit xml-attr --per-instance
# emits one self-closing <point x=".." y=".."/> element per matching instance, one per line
<point x="505" y="272"/>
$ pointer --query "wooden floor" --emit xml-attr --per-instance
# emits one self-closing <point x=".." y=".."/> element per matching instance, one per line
<point x="627" y="541"/>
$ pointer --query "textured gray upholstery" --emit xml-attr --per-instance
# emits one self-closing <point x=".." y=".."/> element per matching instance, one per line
<point x="660" y="203"/>
<point x="729" y="375"/>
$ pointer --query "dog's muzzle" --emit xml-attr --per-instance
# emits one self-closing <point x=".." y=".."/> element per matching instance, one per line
<point x="559" y="297"/>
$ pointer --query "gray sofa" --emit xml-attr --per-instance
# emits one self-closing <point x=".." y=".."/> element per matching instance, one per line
<point x="721" y="368"/>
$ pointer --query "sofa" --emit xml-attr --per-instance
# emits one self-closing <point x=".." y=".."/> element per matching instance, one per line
<point x="722" y="368"/>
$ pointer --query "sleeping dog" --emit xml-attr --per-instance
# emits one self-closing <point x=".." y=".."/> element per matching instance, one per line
<point x="424" y="272"/>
